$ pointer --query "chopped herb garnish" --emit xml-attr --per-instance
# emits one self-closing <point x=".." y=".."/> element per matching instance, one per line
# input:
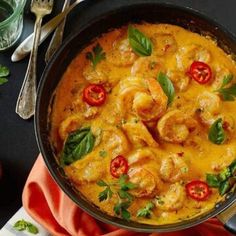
<point x="140" y="44"/>
<point x="96" y="55"/>
<point x="146" y="211"/>
<point x="167" y="86"/>
<point x="102" y="153"/>
<point x="107" y="193"/>
<point x="121" y="209"/>
<point x="22" y="225"/>
<point x="120" y="188"/>
<point x="216" y="133"/>
<point x="227" y="93"/>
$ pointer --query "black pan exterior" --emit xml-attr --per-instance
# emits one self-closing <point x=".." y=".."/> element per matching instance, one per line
<point x="135" y="12"/>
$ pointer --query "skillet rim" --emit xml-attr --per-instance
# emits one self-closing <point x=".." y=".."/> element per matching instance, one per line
<point x="52" y="167"/>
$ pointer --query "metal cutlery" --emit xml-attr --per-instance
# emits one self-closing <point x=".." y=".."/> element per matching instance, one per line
<point x="26" y="46"/>
<point x="25" y="105"/>
<point x="57" y="37"/>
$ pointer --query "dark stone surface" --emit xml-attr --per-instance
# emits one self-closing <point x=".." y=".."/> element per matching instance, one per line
<point x="18" y="147"/>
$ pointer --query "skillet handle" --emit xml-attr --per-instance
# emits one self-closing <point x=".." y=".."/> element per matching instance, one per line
<point x="228" y="218"/>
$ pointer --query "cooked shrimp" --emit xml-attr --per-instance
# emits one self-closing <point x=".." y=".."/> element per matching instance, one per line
<point x="173" y="168"/>
<point x="220" y="73"/>
<point x="115" y="140"/>
<point x="127" y="90"/>
<point x="150" y="106"/>
<point x="164" y="44"/>
<point x="189" y="53"/>
<point x="147" y="67"/>
<point x="81" y="174"/>
<point x="122" y="54"/>
<point x="175" y="126"/>
<point x="70" y="124"/>
<point x="98" y="75"/>
<point x="141" y="156"/>
<point x="179" y="79"/>
<point x="173" y="199"/>
<point x="229" y="123"/>
<point x="225" y="160"/>
<point x="145" y="181"/>
<point x="208" y="107"/>
<point x="138" y="134"/>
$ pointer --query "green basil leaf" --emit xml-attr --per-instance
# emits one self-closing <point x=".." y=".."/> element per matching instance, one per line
<point x="224" y="187"/>
<point x="4" y="71"/>
<point x="216" y="133"/>
<point x="212" y="180"/>
<point x="232" y="168"/>
<point x="167" y="86"/>
<point x="77" y="145"/>
<point x="3" y="81"/>
<point x="140" y="44"/>
<point x="32" y="229"/>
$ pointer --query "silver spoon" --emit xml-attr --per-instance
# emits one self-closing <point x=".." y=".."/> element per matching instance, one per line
<point x="57" y="37"/>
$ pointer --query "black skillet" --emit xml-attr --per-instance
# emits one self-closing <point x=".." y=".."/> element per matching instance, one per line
<point x="131" y="12"/>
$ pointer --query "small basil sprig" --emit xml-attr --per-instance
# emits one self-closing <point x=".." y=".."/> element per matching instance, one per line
<point x="78" y="144"/>
<point x="167" y="86"/>
<point x="146" y="211"/>
<point x="96" y="55"/>
<point x="227" y="93"/>
<point x="225" y="180"/>
<point x="4" y="72"/>
<point x="120" y="188"/>
<point x="216" y="133"/>
<point x="140" y="44"/>
<point x="22" y="225"/>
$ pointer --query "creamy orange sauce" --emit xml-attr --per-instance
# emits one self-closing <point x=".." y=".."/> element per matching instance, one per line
<point x="128" y="125"/>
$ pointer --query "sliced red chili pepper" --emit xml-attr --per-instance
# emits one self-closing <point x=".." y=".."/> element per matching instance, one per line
<point x="198" y="190"/>
<point x="200" y="72"/>
<point x="94" y="95"/>
<point x="118" y="166"/>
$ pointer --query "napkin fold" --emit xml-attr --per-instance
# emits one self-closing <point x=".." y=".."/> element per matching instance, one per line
<point x="48" y="205"/>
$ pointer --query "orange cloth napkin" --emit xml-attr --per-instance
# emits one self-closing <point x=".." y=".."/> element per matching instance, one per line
<point x="49" y="206"/>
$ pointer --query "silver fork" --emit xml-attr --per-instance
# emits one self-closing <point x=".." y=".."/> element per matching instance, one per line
<point x="26" y="101"/>
<point x="57" y="36"/>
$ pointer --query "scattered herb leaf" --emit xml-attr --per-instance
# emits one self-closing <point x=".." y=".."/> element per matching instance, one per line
<point x="4" y="71"/>
<point x="21" y="225"/>
<point x="167" y="86"/>
<point x="78" y="144"/>
<point x="146" y="211"/>
<point x="216" y="133"/>
<point x="96" y="55"/>
<point x="3" y="80"/>
<point x="140" y="44"/>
